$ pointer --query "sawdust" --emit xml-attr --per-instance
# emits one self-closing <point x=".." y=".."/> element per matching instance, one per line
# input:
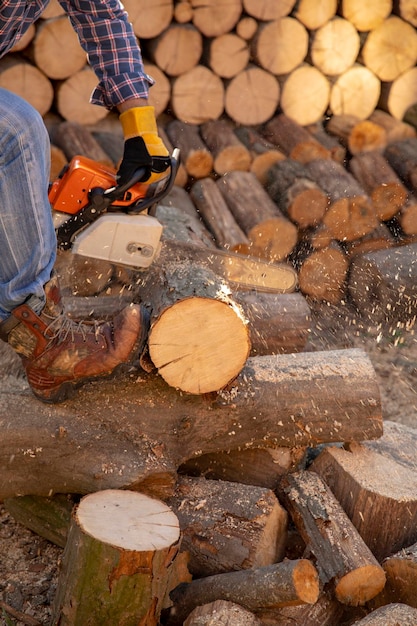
<point x="29" y="564"/>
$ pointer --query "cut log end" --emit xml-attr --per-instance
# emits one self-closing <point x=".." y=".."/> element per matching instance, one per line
<point x="360" y="585"/>
<point x="306" y="581"/>
<point x="199" y="345"/>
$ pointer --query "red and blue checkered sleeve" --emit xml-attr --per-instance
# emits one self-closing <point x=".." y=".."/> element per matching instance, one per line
<point x="112" y="48"/>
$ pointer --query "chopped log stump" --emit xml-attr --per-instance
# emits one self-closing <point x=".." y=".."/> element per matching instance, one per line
<point x="342" y="556"/>
<point x="382" y="284"/>
<point x="228" y="526"/>
<point x="282" y="584"/>
<point x="129" y="541"/>
<point x="271" y="234"/>
<point x="367" y="485"/>
<point x="297" y="400"/>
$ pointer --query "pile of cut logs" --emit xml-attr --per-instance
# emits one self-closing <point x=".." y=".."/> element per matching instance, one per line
<point x="244" y="58"/>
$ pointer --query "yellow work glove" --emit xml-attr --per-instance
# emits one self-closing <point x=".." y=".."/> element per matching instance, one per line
<point x="143" y="147"/>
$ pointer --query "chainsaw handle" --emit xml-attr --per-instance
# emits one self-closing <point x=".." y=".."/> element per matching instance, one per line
<point x="114" y="193"/>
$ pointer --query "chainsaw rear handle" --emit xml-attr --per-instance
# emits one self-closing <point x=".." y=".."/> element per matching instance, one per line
<point x="118" y="192"/>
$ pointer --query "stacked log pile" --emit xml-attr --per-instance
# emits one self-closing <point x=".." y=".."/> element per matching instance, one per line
<point x="241" y="58"/>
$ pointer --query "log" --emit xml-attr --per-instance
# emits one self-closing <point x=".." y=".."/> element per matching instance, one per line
<point x="160" y="94"/>
<point x="183" y="12"/>
<point x="227" y="55"/>
<point x="74" y="139"/>
<point x="350" y="214"/>
<point x="313" y="15"/>
<point x="382" y="284"/>
<point x="295" y="193"/>
<point x="215" y="18"/>
<point x="357" y="135"/>
<point x="195" y="156"/>
<point x="252" y="96"/>
<point x="265" y="10"/>
<point x="322" y="274"/>
<point x="229" y="153"/>
<point x="264" y="154"/>
<point x="279" y="323"/>
<point x="177" y="49"/>
<point x="401" y="572"/>
<point x="407" y="10"/>
<point x="365" y="17"/>
<point x="402" y="156"/>
<point x="78" y="447"/>
<point x="197" y="96"/>
<point x="336" y="149"/>
<point x="380" y="181"/>
<point x="342" y="556"/>
<point x="47" y="517"/>
<point x="52" y="37"/>
<point x="395" y="129"/>
<point x="72" y="98"/>
<point x="379" y="239"/>
<point x="198" y="339"/>
<point x="390" y="49"/>
<point x="355" y="92"/>
<point x="181" y="222"/>
<point x="335" y="46"/>
<point x="221" y="613"/>
<point x="207" y="512"/>
<point x="215" y="212"/>
<point x="359" y="476"/>
<point x="28" y="82"/>
<point x="262" y="467"/>
<point x="181" y="179"/>
<point x="294" y="140"/>
<point x="407" y="218"/>
<point x="149" y="20"/>
<point x="281" y="584"/>
<point x="390" y="615"/>
<point x="246" y="27"/>
<point x="305" y="95"/>
<point x="280" y="45"/>
<point x="270" y="233"/>
<point x="130" y="542"/>
<point x="397" y="96"/>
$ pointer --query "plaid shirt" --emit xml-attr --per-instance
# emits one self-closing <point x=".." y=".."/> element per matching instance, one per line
<point x="104" y="33"/>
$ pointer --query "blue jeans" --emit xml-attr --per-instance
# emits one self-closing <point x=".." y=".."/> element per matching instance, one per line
<point x="27" y="236"/>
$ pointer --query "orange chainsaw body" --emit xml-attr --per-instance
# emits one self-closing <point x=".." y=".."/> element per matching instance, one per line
<point x="70" y="192"/>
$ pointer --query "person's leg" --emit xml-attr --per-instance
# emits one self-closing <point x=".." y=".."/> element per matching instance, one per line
<point x="27" y="236"/>
<point x="58" y="354"/>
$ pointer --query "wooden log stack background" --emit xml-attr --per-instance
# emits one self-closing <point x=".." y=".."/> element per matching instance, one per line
<point x="303" y="100"/>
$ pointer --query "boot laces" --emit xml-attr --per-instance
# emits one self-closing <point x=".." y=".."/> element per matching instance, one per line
<point x="62" y="327"/>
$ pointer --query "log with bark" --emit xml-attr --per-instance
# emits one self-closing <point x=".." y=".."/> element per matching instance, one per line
<point x="390" y="615"/>
<point x="282" y="584"/>
<point x="343" y="559"/>
<point x="79" y="447"/>
<point x="382" y="284"/>
<point x="228" y="526"/>
<point x="294" y="140"/>
<point x="378" y="494"/>
<point x="112" y="535"/>
<point x="271" y="234"/>
<point x="195" y="156"/>
<point x="221" y="612"/>
<point x="229" y="153"/>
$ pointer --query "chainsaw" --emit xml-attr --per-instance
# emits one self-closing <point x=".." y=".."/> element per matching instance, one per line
<point x="96" y="217"/>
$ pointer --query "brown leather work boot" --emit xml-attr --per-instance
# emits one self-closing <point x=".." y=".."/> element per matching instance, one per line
<point x="60" y="354"/>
